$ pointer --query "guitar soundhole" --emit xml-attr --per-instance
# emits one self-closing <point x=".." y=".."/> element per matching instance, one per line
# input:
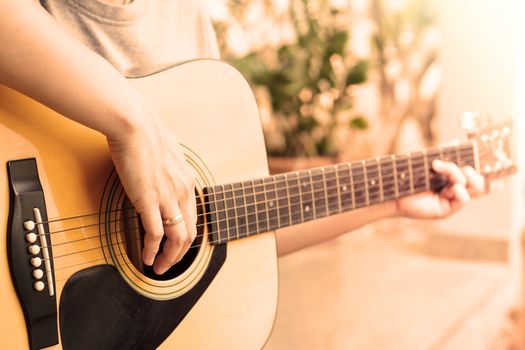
<point x="133" y="236"/>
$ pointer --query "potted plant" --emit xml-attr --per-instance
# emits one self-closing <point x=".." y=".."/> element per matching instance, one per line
<point x="305" y="85"/>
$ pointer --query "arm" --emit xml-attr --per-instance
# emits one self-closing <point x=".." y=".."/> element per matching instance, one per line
<point x="463" y="184"/>
<point x="41" y="60"/>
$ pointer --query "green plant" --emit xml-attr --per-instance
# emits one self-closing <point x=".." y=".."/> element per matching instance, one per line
<point x="307" y="81"/>
<point x="405" y="58"/>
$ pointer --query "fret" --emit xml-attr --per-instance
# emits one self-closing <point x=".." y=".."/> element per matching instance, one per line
<point x="332" y="190"/>
<point x="261" y="208"/>
<point x="432" y="154"/>
<point x="436" y="182"/>
<point x="283" y="202"/>
<point x="254" y="216"/>
<point x="210" y="202"/>
<point x="418" y="171"/>
<point x="313" y="194"/>
<point x="338" y="184"/>
<point x="325" y="190"/>
<point x="427" y="171"/>
<point x="251" y="216"/>
<point x="410" y="173"/>
<point x="396" y="183"/>
<point x="359" y="184"/>
<point x="296" y="206"/>
<point x="297" y="192"/>
<point x="270" y="192"/>
<point x="381" y="189"/>
<point x="388" y="178"/>
<point x="345" y="187"/>
<point x="449" y="154"/>
<point x="372" y="179"/>
<point x="230" y="214"/>
<point x="468" y="156"/>
<point x="240" y="210"/>
<point x="367" y="195"/>
<point x="220" y="213"/>
<point x="403" y="181"/>
<point x="352" y="187"/>
<point x="320" y="205"/>
<point x="305" y="189"/>
<point x="458" y="155"/>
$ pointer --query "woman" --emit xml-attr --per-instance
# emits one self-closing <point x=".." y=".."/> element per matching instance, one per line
<point x="89" y="45"/>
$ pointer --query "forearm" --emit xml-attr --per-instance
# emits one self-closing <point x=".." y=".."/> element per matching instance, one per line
<point x="43" y="61"/>
<point x="300" y="236"/>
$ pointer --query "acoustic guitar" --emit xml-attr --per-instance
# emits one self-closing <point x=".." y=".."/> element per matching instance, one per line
<point x="71" y="275"/>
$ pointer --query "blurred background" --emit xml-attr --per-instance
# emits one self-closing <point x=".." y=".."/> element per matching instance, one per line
<point x="342" y="80"/>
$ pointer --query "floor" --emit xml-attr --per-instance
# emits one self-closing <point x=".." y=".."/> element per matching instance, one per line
<point x="373" y="291"/>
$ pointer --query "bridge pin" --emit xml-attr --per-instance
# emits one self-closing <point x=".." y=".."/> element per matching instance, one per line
<point x="29" y="225"/>
<point x="31" y="237"/>
<point x="36" y="262"/>
<point x="39" y="286"/>
<point x="38" y="274"/>
<point x="34" y="249"/>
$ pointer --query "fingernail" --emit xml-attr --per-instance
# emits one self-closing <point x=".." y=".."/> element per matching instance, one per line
<point x="437" y="163"/>
<point x="160" y="270"/>
<point x="148" y="261"/>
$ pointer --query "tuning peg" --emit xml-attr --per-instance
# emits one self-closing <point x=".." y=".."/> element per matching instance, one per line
<point x="470" y="121"/>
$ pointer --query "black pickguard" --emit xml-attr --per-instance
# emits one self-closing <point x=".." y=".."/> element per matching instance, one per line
<point x="98" y="310"/>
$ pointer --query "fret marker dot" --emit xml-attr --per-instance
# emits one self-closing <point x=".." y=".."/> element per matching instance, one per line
<point x="372" y="182"/>
<point x="271" y="203"/>
<point x="307" y="209"/>
<point x="402" y="175"/>
<point x="305" y="184"/>
<point x="345" y="188"/>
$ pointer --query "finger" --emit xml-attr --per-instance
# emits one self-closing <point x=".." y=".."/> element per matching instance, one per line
<point x="175" y="237"/>
<point x="475" y="182"/>
<point x="457" y="196"/>
<point x="450" y="170"/>
<point x="152" y="222"/>
<point x="189" y="211"/>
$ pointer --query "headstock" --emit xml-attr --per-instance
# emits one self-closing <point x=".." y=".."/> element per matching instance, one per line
<point x="495" y="145"/>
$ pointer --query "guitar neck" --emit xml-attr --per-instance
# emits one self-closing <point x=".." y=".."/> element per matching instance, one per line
<point x="247" y="208"/>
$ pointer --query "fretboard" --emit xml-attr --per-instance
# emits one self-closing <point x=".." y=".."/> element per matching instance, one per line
<point x="247" y="208"/>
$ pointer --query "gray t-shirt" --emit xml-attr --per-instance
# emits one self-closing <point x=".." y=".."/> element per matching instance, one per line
<point x="142" y="35"/>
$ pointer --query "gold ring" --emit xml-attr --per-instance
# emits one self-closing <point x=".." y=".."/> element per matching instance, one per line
<point x="173" y="221"/>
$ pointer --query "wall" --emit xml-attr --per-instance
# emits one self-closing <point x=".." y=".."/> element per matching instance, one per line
<point x="482" y="70"/>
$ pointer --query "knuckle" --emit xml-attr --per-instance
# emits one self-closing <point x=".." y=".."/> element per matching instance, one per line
<point x="153" y="237"/>
<point x="150" y="249"/>
<point x="180" y="240"/>
<point x="157" y="234"/>
<point x="189" y="240"/>
<point x="192" y="235"/>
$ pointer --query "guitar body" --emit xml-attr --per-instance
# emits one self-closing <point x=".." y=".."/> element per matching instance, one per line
<point x="226" y="297"/>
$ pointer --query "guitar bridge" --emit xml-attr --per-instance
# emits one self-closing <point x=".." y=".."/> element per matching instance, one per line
<point x="30" y="254"/>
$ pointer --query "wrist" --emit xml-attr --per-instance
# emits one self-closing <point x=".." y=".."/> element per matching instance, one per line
<point x="391" y="209"/>
<point x="127" y="121"/>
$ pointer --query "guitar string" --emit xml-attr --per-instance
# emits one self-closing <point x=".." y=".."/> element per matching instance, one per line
<point x="212" y="242"/>
<point x="117" y="243"/>
<point x="328" y="207"/>
<point x="284" y="181"/>
<point x="416" y="175"/>
<point x="421" y="159"/>
<point x="117" y="255"/>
